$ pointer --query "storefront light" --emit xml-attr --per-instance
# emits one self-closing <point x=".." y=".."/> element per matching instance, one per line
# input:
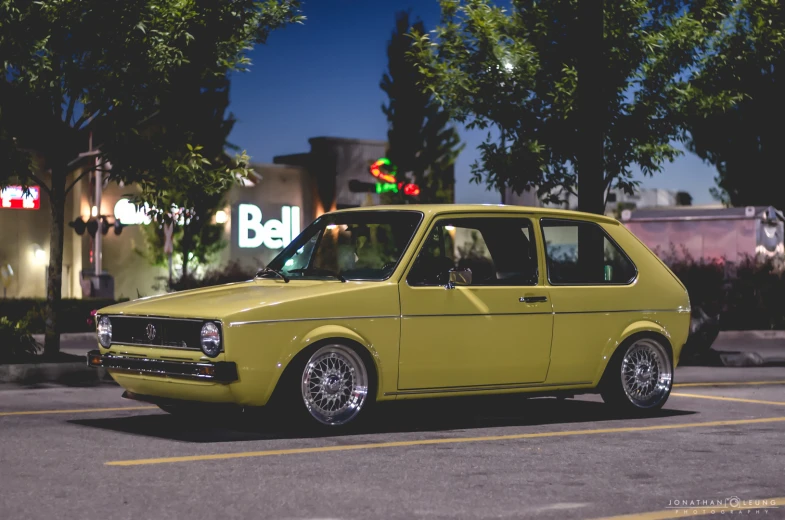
<point x="221" y="217"/>
<point x="39" y="255"/>
<point x="94" y="211"/>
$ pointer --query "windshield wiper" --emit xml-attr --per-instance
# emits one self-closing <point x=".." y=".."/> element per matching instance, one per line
<point x="318" y="271"/>
<point x="270" y="270"/>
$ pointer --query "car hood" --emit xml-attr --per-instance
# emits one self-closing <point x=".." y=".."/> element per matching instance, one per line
<point x="258" y="300"/>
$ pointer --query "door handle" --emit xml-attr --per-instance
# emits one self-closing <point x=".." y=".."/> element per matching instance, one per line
<point x="533" y="299"/>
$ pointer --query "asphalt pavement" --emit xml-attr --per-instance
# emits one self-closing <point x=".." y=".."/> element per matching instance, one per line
<point x="86" y="453"/>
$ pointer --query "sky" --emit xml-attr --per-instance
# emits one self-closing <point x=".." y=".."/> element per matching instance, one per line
<point x="322" y="79"/>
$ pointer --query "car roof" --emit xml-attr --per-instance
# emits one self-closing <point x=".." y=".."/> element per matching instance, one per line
<point x="438" y="209"/>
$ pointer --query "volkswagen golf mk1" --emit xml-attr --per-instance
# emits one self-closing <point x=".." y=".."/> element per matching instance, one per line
<point x="384" y="303"/>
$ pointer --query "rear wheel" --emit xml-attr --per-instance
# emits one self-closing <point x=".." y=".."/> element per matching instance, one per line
<point x="639" y="377"/>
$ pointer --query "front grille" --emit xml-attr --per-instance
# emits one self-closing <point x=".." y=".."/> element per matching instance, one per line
<point x="165" y="332"/>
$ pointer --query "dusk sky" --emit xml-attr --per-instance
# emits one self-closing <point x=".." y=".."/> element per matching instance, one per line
<point x="322" y="79"/>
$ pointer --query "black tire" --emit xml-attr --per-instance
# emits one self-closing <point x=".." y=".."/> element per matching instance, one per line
<point x="639" y="377"/>
<point x="290" y="406"/>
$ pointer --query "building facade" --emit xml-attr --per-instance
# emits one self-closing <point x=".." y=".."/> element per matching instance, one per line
<point x="260" y="217"/>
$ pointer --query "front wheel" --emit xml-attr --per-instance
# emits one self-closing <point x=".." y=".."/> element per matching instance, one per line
<point x="335" y="385"/>
<point x="639" y="377"/>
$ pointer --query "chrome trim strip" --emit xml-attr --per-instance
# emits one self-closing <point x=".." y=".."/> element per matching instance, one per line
<point x="468" y="315"/>
<point x="454" y="389"/>
<point x="254" y="322"/>
<point x="149" y="316"/>
<point x="644" y="311"/>
<point x="129" y="344"/>
<point x="337" y="318"/>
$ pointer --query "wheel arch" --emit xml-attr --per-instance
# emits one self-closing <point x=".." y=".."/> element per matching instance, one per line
<point x="632" y="332"/>
<point x="320" y="337"/>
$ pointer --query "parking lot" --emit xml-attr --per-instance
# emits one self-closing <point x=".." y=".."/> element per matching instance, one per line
<point x="87" y="453"/>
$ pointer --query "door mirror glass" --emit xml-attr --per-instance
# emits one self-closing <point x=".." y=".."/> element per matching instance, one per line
<point x="460" y="276"/>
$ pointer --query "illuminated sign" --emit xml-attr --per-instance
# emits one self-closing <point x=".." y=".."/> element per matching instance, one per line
<point x="128" y="214"/>
<point x="14" y="197"/>
<point x="273" y="234"/>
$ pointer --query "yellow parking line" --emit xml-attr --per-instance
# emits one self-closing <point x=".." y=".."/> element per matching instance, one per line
<point x="426" y="442"/>
<point x="79" y="410"/>
<point x="763" y="504"/>
<point x="734" y="399"/>
<point x="730" y="383"/>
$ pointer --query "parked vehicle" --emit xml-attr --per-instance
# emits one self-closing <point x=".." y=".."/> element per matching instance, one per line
<point x="383" y="303"/>
<point x="704" y="330"/>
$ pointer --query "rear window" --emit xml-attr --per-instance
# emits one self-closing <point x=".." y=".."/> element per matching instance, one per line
<point x="581" y="253"/>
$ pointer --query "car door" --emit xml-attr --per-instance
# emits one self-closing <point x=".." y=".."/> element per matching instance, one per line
<point x="594" y="296"/>
<point x="495" y="331"/>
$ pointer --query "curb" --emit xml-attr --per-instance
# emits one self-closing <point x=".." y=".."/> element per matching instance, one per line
<point x="752" y="334"/>
<point x="76" y="373"/>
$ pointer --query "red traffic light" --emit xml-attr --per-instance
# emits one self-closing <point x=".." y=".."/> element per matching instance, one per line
<point x="411" y="189"/>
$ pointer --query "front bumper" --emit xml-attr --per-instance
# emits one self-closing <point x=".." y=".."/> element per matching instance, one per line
<point x="219" y="371"/>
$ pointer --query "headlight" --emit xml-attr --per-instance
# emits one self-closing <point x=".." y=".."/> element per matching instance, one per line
<point x="211" y="339"/>
<point x="104" y="331"/>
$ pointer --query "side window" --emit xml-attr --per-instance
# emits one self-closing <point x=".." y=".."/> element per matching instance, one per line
<point x="499" y="251"/>
<point x="582" y="253"/>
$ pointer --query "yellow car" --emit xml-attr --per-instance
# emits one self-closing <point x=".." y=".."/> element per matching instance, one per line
<point x="403" y="302"/>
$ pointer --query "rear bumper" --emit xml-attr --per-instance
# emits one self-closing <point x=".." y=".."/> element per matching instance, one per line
<point x="219" y="372"/>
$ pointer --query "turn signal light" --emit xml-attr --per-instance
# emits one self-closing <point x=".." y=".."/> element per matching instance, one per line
<point x="94" y="360"/>
<point x="207" y="371"/>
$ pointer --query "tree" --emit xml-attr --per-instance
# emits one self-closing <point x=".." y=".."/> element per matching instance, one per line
<point x="744" y="142"/>
<point x="683" y="198"/>
<point x="74" y="67"/>
<point x="195" y="112"/>
<point x="420" y="144"/>
<point x="572" y="92"/>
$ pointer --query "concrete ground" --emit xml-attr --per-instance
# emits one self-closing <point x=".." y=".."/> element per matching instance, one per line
<point x="86" y="453"/>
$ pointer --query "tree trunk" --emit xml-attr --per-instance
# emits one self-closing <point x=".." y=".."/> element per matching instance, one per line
<point x="591" y="107"/>
<point x="54" y="282"/>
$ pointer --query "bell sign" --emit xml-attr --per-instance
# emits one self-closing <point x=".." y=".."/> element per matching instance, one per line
<point x="273" y="234"/>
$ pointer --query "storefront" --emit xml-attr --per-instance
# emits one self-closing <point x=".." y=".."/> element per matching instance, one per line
<point x="260" y="218"/>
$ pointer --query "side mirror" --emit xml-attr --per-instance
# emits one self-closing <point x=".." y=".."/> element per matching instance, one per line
<point x="459" y="277"/>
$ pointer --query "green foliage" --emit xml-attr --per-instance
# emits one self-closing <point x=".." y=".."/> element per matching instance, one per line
<point x="113" y="70"/>
<point x="744" y="142"/>
<point x="514" y="73"/>
<point x="16" y="340"/>
<point x="420" y="144"/>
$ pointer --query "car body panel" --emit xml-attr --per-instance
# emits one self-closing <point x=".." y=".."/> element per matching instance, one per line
<point x="424" y="341"/>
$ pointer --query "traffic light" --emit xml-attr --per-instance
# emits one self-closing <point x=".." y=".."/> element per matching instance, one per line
<point x="386" y="172"/>
<point x="78" y="225"/>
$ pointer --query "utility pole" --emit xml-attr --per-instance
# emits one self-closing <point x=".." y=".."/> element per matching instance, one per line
<point x="99" y="234"/>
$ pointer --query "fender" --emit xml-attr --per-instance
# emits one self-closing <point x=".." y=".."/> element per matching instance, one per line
<point x="646" y="325"/>
<point x="322" y="333"/>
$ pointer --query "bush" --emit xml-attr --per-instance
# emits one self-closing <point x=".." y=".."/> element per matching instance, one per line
<point x="746" y="295"/>
<point x="232" y="272"/>
<point x="74" y="316"/>
<point x="16" y="340"/>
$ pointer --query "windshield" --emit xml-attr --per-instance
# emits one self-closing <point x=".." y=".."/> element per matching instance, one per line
<point x="361" y="245"/>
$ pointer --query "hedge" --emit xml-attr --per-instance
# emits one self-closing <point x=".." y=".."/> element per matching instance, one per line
<point x="745" y="295"/>
<point x="75" y="315"/>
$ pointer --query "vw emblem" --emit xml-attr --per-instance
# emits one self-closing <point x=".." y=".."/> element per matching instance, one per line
<point x="150" y="330"/>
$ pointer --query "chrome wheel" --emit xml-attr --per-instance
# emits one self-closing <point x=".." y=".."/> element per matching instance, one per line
<point x="646" y="373"/>
<point x="334" y="384"/>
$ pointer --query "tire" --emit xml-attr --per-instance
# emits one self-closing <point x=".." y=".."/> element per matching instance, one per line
<point x="303" y="400"/>
<point x="639" y="377"/>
